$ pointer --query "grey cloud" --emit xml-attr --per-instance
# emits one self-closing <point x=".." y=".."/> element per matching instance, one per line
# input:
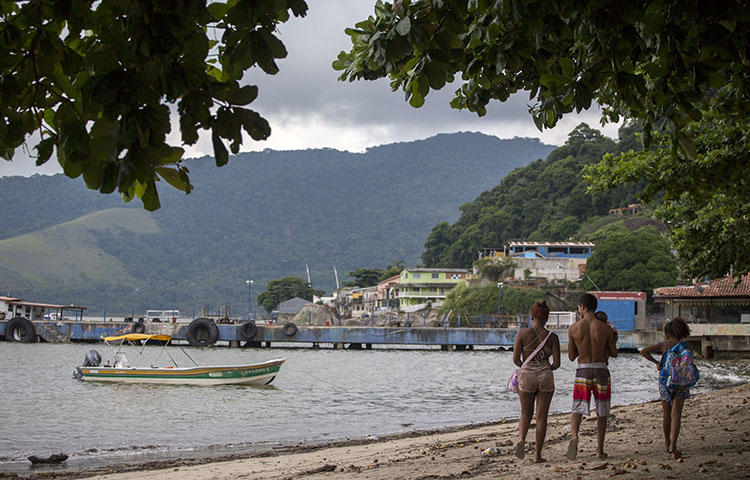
<point x="307" y="84"/>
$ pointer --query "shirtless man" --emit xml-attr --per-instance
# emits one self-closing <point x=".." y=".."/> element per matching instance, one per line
<point x="592" y="342"/>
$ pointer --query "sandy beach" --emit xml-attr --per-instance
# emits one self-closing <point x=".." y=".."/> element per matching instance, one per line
<point x="715" y="440"/>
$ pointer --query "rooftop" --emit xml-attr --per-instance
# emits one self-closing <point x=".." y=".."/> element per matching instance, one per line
<point x="721" y="287"/>
<point x="451" y="270"/>
<point x="551" y="244"/>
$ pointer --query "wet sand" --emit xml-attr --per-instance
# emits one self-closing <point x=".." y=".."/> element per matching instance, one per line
<point x="714" y="440"/>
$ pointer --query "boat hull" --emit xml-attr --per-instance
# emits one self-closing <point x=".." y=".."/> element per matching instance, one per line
<point x="254" y="374"/>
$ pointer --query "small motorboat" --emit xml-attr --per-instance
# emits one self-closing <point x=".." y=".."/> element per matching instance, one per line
<point x="121" y="371"/>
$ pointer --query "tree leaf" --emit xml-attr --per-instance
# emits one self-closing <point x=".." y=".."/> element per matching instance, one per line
<point x="242" y="95"/>
<point x="403" y="27"/>
<point x="220" y="152"/>
<point x="217" y="10"/>
<point x="44" y="150"/>
<point x="174" y="178"/>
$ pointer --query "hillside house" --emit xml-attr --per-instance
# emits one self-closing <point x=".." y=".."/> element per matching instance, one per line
<point x="549" y="260"/>
<point x="549" y="249"/>
<point x="421" y="285"/>
<point x="388" y="292"/>
<point x="356" y="301"/>
<point x="628" y="211"/>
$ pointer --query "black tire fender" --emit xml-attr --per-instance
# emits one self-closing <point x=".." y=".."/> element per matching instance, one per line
<point x="248" y="330"/>
<point x="202" y="332"/>
<point x="139" y="327"/>
<point x="20" y="329"/>
<point x="290" y="329"/>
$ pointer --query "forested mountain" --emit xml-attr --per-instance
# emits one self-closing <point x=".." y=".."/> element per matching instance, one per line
<point x="264" y="216"/>
<point x="544" y="201"/>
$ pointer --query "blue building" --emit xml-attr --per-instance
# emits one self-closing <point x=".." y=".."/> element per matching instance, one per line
<point x="625" y="310"/>
<point x="549" y="249"/>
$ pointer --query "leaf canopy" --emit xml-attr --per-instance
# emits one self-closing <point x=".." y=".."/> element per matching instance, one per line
<point x="95" y="81"/>
<point x="648" y="60"/>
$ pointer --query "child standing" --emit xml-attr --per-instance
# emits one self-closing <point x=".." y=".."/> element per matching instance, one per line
<point x="672" y="397"/>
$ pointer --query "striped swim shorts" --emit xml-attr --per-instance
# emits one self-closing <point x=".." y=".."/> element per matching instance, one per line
<point x="592" y="379"/>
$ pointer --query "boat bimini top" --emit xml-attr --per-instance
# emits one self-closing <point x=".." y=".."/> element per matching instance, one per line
<point x="121" y="361"/>
<point x="135" y="337"/>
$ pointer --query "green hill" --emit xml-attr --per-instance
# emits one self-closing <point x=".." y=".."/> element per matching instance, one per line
<point x="264" y="216"/>
<point x="543" y="201"/>
<point x="66" y="259"/>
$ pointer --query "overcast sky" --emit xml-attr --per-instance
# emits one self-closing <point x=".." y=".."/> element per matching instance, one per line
<point x="308" y="107"/>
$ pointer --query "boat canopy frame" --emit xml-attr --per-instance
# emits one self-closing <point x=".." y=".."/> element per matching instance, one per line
<point x="130" y="338"/>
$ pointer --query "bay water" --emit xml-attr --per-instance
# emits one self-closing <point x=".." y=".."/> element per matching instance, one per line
<point x="320" y="395"/>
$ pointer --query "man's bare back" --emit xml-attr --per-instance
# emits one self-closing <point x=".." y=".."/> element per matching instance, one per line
<point x="591" y="340"/>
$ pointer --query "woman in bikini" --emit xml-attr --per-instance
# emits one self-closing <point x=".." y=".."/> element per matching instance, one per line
<point x="672" y="399"/>
<point x="536" y="382"/>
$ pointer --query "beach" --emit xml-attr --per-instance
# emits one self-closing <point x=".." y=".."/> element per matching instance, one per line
<point x="714" y="440"/>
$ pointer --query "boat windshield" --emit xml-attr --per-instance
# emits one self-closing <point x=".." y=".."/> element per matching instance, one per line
<point x="121" y="360"/>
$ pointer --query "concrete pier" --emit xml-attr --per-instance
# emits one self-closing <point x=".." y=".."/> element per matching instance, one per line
<point x="706" y="339"/>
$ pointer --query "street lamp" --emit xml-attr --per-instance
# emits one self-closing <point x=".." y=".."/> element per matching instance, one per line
<point x="249" y="297"/>
<point x="499" y="297"/>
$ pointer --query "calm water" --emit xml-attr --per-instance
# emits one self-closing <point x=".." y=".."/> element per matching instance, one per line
<point x="320" y="395"/>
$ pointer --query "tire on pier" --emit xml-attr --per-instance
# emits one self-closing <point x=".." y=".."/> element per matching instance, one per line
<point x="202" y="332"/>
<point x="20" y="329"/>
<point x="290" y="329"/>
<point x="139" y="327"/>
<point x="248" y="330"/>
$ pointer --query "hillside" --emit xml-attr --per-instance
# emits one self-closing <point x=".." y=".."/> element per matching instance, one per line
<point x="262" y="217"/>
<point x="543" y="201"/>
<point x="78" y="263"/>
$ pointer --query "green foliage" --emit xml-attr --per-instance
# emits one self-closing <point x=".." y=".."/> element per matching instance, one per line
<point x="544" y="201"/>
<point x="704" y="200"/>
<point x="496" y="269"/>
<point x="278" y="291"/>
<point x="475" y="301"/>
<point x="364" y="277"/>
<point x="647" y="60"/>
<point x="246" y="222"/>
<point x="628" y="260"/>
<point x="96" y="81"/>
<point x="65" y="263"/>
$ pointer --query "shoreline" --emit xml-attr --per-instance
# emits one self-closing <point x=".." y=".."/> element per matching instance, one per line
<point x="714" y="438"/>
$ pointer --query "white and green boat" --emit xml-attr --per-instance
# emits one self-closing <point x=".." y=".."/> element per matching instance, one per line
<point x="121" y="371"/>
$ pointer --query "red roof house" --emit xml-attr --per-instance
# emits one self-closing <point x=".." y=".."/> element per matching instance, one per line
<point x="723" y="300"/>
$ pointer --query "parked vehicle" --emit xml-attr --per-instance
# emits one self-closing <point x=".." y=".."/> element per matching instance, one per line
<point x="167" y="316"/>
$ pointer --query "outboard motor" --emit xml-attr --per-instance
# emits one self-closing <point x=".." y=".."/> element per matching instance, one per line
<point x="92" y="359"/>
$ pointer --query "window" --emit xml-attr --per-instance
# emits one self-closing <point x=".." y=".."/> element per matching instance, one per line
<point x="417" y="275"/>
<point x="577" y="250"/>
<point x="435" y="275"/>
